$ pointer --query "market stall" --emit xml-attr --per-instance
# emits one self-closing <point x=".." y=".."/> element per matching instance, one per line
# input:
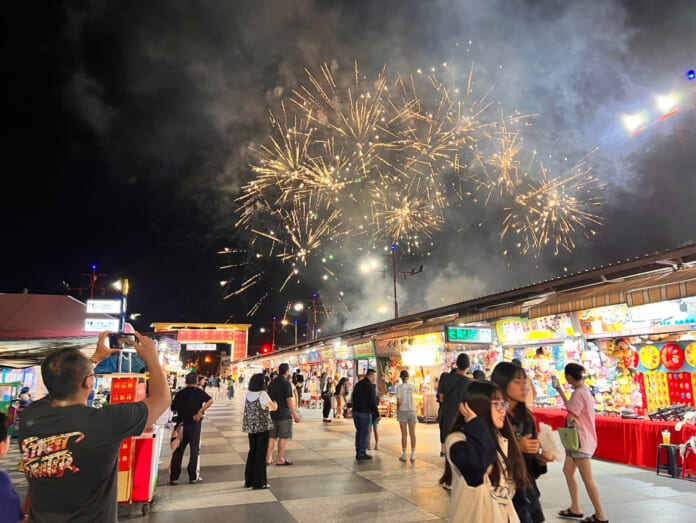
<point x="544" y="346"/>
<point x="477" y="341"/>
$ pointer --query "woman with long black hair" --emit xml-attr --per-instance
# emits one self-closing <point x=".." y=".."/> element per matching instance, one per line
<point x="512" y="380"/>
<point x="484" y="466"/>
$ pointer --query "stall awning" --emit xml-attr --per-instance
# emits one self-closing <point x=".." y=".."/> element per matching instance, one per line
<point x="492" y="314"/>
<point x="653" y="288"/>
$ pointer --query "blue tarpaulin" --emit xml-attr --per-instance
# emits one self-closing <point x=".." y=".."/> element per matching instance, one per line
<point x="110" y="365"/>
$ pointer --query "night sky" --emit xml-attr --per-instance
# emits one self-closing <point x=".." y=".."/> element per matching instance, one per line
<point x="128" y="128"/>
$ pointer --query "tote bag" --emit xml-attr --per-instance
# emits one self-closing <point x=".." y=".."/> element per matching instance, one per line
<point x="480" y="503"/>
<point x="569" y="438"/>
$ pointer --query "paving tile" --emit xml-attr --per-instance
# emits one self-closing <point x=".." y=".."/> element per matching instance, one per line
<point x="227" y="458"/>
<point x="380" y="506"/>
<point x="248" y="513"/>
<point x="207" y="494"/>
<point x="322" y="486"/>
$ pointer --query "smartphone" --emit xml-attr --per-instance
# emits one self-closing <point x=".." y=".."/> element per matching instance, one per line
<point x="554" y="382"/>
<point x="117" y="340"/>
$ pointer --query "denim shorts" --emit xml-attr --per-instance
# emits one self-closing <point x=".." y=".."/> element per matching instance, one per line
<point x="577" y="454"/>
<point x="406" y="416"/>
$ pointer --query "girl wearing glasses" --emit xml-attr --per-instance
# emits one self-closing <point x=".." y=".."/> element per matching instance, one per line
<point x="482" y="467"/>
<point x="513" y="382"/>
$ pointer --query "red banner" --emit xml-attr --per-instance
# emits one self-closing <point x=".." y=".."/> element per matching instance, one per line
<point x="208" y="335"/>
<point x="239" y="346"/>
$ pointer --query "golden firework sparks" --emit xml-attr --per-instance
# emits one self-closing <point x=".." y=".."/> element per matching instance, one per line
<point x="553" y="210"/>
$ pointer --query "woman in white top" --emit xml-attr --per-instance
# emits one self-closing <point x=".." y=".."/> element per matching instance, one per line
<point x="406" y="414"/>
<point x="256" y="422"/>
<point x="483" y="469"/>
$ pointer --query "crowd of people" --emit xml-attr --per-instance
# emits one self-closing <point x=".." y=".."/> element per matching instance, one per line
<point x="492" y="452"/>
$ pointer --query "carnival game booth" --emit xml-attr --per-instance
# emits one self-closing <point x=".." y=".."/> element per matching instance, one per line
<point x="420" y="353"/>
<point x="544" y="345"/>
<point x="477" y="340"/>
<point x="640" y="355"/>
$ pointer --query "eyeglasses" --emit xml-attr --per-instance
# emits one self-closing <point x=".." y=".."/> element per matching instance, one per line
<point x="502" y="406"/>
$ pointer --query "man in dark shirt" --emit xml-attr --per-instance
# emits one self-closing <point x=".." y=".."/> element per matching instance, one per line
<point x="189" y="403"/>
<point x="451" y="393"/>
<point x="281" y="391"/>
<point x="70" y="450"/>
<point x="364" y="409"/>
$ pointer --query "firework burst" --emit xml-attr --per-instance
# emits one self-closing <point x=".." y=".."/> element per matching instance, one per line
<point x="385" y="157"/>
<point x="552" y="210"/>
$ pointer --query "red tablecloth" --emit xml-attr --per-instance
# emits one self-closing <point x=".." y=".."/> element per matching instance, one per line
<point x="629" y="441"/>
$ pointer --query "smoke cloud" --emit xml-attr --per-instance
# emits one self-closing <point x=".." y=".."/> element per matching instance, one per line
<point x="176" y="93"/>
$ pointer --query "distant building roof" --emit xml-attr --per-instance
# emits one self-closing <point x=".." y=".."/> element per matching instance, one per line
<point x="38" y="316"/>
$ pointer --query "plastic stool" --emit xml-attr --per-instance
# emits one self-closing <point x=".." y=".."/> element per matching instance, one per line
<point x="688" y="470"/>
<point x="671" y="465"/>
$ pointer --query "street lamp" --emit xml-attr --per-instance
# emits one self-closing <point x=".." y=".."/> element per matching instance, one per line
<point x="285" y="323"/>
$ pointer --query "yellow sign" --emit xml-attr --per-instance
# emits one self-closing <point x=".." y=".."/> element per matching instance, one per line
<point x="522" y="330"/>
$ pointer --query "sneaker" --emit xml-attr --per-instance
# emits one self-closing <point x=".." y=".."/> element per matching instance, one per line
<point x="197" y="480"/>
<point x="403" y="458"/>
<point x="361" y="457"/>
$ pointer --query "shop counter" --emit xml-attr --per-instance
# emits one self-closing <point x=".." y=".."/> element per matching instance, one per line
<point x="629" y="441"/>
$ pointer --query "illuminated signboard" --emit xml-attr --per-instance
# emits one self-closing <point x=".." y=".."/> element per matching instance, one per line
<point x="101" y="324"/>
<point x="239" y="345"/>
<point x="200" y="346"/>
<point x="469" y="335"/>
<point x="326" y="354"/>
<point x="651" y="318"/>
<point x="207" y="335"/>
<point x="543" y="329"/>
<point x="343" y="352"/>
<point x="363" y="350"/>
<point x="104" y="306"/>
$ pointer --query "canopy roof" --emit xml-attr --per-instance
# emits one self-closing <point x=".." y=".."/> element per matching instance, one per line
<point x="34" y="325"/>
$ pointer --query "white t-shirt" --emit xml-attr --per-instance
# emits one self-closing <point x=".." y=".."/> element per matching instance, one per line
<point x="262" y="395"/>
<point x="405" y="392"/>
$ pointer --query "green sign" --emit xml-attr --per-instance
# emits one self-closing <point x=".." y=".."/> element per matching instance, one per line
<point x="468" y="335"/>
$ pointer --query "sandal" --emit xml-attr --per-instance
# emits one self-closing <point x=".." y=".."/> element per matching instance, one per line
<point x="594" y="519"/>
<point x="568" y="514"/>
<point x="284" y="464"/>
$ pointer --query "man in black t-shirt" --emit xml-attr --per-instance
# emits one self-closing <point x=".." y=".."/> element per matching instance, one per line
<point x="70" y="450"/>
<point x="281" y="391"/>
<point x="189" y="405"/>
<point x="451" y="391"/>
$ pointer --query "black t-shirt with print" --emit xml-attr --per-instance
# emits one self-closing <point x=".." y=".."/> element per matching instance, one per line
<point x="70" y="458"/>
<point x="280" y="389"/>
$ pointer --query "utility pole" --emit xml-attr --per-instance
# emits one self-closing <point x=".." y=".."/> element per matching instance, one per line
<point x="314" y="316"/>
<point x="273" y="339"/>
<point x="396" y="303"/>
<point x="93" y="277"/>
<point x="412" y="272"/>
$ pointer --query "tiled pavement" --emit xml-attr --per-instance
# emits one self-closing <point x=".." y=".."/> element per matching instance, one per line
<point x="327" y="484"/>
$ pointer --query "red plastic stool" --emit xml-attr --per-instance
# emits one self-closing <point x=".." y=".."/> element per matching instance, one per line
<point x="689" y="463"/>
